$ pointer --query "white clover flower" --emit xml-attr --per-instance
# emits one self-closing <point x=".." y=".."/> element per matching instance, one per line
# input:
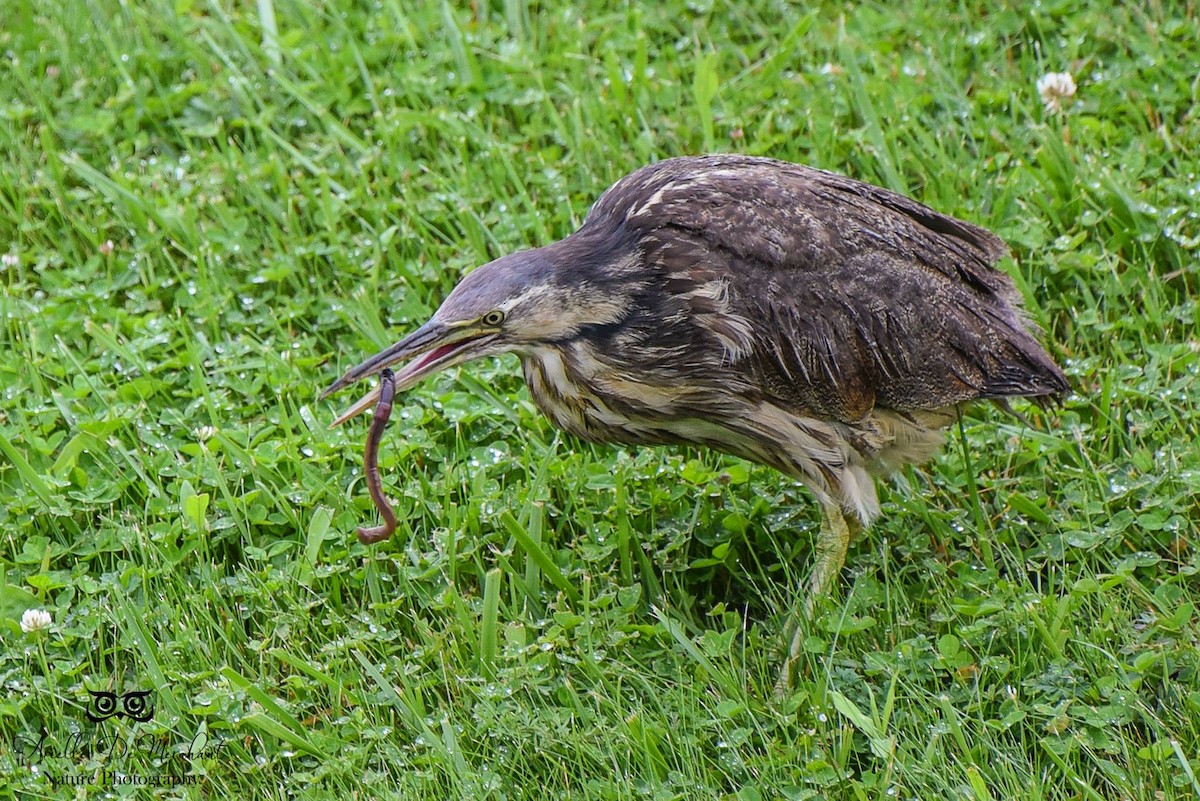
<point x="35" y="620"/>
<point x="10" y="260"/>
<point x="205" y="433"/>
<point x="1054" y="87"/>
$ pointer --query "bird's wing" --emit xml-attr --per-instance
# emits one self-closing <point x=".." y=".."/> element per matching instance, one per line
<point x="854" y="296"/>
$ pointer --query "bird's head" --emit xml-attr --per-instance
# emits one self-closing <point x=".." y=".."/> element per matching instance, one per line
<point x="512" y="304"/>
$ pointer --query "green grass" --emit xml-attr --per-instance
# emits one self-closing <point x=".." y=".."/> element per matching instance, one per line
<point x="288" y="187"/>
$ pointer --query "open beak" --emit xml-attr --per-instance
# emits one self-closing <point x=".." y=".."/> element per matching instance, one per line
<point x="432" y="347"/>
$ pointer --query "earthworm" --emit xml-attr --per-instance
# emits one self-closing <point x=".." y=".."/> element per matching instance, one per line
<point x="383" y="410"/>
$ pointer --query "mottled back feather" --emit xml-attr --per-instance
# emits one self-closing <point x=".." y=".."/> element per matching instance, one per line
<point x="831" y="295"/>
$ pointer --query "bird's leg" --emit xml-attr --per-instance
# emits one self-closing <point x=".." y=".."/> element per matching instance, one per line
<point x="837" y="530"/>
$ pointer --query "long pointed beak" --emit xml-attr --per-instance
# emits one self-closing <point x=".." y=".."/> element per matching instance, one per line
<point x="432" y="347"/>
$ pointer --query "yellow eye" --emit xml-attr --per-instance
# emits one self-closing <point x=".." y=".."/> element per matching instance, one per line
<point x="493" y="318"/>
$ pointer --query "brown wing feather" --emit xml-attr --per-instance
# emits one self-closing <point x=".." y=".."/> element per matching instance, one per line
<point x="857" y="296"/>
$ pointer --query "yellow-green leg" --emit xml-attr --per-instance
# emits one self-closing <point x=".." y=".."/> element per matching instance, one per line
<point x="828" y="557"/>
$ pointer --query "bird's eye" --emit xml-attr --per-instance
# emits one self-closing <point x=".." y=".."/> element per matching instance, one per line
<point x="493" y="317"/>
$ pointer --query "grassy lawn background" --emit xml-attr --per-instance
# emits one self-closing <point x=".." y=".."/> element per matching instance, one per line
<point x="287" y="189"/>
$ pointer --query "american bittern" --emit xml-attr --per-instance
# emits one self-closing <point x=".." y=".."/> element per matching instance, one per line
<point x="799" y="319"/>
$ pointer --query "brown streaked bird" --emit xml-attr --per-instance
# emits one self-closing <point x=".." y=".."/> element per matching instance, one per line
<point x="797" y="318"/>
